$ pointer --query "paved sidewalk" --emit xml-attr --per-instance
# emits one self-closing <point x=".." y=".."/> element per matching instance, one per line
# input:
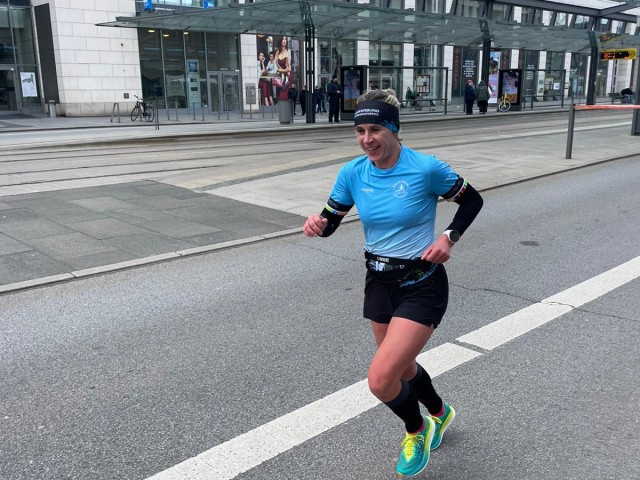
<point x="55" y="236"/>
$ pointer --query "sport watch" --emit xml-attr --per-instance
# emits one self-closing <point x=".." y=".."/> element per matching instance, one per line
<point x="452" y="235"/>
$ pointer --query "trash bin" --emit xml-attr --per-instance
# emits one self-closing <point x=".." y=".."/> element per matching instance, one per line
<point x="52" y="109"/>
<point x="284" y="111"/>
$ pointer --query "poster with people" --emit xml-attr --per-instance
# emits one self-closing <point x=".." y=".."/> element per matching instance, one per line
<point x="494" y="69"/>
<point x="278" y="65"/>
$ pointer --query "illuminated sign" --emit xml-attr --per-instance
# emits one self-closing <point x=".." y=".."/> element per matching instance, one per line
<point x="619" y="54"/>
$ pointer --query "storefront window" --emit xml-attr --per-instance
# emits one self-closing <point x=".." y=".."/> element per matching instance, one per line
<point x="6" y="42"/>
<point x="333" y="55"/>
<point x="151" y="66"/>
<point x="196" y="68"/>
<point x="174" y="68"/>
<point x="222" y="52"/>
<point x="23" y="36"/>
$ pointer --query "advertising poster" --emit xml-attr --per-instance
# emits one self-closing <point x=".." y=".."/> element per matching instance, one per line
<point x="423" y="84"/>
<point x="510" y="85"/>
<point x="278" y="65"/>
<point x="175" y="85"/>
<point x="28" y="81"/>
<point x="494" y="68"/>
<point x="352" y="80"/>
<point x="193" y="79"/>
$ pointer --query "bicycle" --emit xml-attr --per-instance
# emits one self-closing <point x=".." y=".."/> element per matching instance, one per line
<point x="503" y="104"/>
<point x="142" y="109"/>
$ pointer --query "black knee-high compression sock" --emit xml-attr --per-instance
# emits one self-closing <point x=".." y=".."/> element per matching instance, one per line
<point x="427" y="395"/>
<point x="406" y="406"/>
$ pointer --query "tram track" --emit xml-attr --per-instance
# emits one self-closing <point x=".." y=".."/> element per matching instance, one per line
<point x="260" y="156"/>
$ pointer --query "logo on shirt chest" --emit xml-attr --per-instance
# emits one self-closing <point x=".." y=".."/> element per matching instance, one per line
<point x="400" y="189"/>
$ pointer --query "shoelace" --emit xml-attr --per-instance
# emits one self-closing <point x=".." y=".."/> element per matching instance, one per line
<point x="410" y="443"/>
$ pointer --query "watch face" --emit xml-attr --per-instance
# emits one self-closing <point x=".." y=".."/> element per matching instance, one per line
<point x="454" y="236"/>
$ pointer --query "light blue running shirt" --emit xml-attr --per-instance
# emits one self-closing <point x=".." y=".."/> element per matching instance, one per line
<point x="397" y="207"/>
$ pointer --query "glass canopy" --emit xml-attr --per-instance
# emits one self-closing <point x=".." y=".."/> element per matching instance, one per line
<point x="352" y="21"/>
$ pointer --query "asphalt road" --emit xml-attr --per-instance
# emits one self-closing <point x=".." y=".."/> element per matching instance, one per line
<point x="125" y="375"/>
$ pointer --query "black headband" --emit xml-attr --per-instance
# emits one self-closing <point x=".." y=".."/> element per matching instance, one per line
<point x="379" y="113"/>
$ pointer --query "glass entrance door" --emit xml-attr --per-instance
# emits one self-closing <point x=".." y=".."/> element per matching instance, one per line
<point x="8" y="100"/>
<point x="224" y="91"/>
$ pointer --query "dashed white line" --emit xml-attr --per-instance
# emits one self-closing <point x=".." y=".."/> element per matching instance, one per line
<point x="229" y="459"/>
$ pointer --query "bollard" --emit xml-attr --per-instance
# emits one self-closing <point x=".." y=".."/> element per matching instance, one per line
<point x="176" y="110"/>
<point x="157" y="119"/>
<point x="116" y="106"/>
<point x="572" y="119"/>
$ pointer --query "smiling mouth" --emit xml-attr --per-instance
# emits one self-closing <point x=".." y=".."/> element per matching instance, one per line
<point x="372" y="150"/>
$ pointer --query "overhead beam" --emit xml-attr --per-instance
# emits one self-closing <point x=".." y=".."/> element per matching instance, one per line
<point x="619" y="8"/>
<point x="575" y="9"/>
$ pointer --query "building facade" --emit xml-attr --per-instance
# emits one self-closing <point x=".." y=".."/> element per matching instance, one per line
<point x="57" y="51"/>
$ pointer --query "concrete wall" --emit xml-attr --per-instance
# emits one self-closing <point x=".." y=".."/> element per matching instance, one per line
<point x="95" y="66"/>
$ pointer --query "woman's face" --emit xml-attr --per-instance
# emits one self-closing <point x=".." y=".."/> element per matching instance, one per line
<point x="379" y="143"/>
<point x="283" y="43"/>
<point x="261" y="56"/>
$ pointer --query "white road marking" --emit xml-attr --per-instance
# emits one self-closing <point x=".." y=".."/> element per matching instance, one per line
<point x="525" y="320"/>
<point x="230" y="459"/>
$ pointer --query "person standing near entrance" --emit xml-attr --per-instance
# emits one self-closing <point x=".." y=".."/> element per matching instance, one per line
<point x="482" y="96"/>
<point x="469" y="97"/>
<point x="293" y="97"/>
<point x="396" y="190"/>
<point x="303" y="99"/>
<point x="333" y="92"/>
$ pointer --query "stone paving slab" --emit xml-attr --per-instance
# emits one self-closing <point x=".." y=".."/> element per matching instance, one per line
<point x="59" y="232"/>
<point x="57" y="235"/>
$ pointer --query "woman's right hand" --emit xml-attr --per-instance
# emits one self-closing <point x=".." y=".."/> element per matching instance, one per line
<point x="314" y="225"/>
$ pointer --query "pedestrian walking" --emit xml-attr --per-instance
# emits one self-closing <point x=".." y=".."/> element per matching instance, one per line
<point x="334" y="89"/>
<point x="396" y="190"/>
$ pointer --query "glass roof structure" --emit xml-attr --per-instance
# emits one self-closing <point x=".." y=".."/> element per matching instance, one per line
<point x="352" y="21"/>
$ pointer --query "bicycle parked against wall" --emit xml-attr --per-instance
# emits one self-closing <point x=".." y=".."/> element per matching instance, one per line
<point x="143" y="110"/>
<point x="503" y="104"/>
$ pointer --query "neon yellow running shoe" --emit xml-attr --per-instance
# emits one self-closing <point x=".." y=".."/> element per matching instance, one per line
<point x="442" y="423"/>
<point x="414" y="456"/>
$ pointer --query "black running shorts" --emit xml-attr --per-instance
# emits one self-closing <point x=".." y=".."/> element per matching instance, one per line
<point x="424" y="302"/>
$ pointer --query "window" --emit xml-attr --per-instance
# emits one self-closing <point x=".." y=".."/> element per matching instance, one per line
<point x="151" y="65"/>
<point x="430" y="6"/>
<point x="582" y="21"/>
<point x="501" y="12"/>
<point x="23" y="36"/>
<point x="468" y="8"/>
<point x="561" y="19"/>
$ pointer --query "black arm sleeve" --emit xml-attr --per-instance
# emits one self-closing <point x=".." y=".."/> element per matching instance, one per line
<point x="334" y="212"/>
<point x="469" y="201"/>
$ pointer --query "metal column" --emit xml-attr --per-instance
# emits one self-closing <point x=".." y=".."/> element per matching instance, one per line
<point x="593" y="69"/>
<point x="309" y="48"/>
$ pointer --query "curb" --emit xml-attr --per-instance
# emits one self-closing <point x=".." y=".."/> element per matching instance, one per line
<point x="277" y="129"/>
<point x="164" y="257"/>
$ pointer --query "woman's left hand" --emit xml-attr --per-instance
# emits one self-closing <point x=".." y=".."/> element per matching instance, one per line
<point x="439" y="251"/>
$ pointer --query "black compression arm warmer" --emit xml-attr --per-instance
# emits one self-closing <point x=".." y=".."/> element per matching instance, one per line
<point x="334" y="212"/>
<point x="469" y="201"/>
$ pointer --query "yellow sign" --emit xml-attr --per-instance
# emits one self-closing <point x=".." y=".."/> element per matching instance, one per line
<point x="619" y="54"/>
